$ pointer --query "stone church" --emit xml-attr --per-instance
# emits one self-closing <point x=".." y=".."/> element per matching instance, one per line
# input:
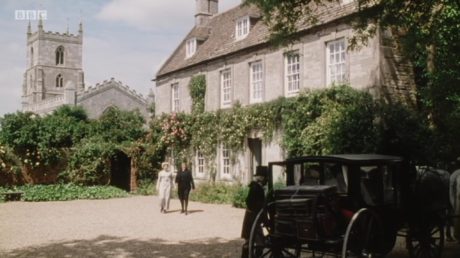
<point x="55" y="77"/>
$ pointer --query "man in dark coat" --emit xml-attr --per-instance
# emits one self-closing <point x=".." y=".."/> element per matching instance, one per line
<point x="184" y="181"/>
<point x="255" y="201"/>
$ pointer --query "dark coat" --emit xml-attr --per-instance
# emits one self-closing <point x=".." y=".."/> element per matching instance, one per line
<point x="254" y="203"/>
<point x="184" y="180"/>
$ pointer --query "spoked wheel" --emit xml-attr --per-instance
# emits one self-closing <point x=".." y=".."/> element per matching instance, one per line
<point x="262" y="242"/>
<point x="426" y="241"/>
<point x="364" y="235"/>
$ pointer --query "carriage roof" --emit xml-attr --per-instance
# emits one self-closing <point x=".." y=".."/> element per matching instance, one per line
<point x="350" y="159"/>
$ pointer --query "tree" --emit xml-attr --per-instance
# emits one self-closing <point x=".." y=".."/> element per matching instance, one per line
<point x="118" y="126"/>
<point x="430" y="35"/>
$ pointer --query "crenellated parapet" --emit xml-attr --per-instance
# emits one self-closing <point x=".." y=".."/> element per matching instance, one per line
<point x="110" y="84"/>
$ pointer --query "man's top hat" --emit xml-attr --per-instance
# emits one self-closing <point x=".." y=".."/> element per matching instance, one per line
<point x="261" y="171"/>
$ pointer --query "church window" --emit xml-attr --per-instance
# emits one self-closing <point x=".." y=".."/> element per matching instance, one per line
<point x="59" y="81"/>
<point x="60" y="55"/>
<point x="31" y="56"/>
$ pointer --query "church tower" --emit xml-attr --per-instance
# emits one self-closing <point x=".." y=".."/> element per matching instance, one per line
<point x="54" y="65"/>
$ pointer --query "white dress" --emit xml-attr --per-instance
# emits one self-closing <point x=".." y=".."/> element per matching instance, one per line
<point x="164" y="186"/>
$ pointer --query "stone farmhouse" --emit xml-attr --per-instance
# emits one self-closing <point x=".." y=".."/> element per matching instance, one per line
<point x="240" y="66"/>
<point x="54" y="77"/>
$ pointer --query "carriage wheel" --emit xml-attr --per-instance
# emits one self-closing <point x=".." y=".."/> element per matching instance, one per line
<point x="426" y="242"/>
<point x="262" y="243"/>
<point x="364" y="235"/>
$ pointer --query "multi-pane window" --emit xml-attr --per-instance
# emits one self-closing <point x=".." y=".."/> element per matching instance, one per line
<point x="59" y="81"/>
<point x="190" y="47"/>
<point x="200" y="163"/>
<point x="226" y="88"/>
<point x="256" y="82"/>
<point x="292" y="73"/>
<point x="175" y="97"/>
<point x="225" y="162"/>
<point x="336" y="58"/>
<point x="242" y="28"/>
<point x="60" y="55"/>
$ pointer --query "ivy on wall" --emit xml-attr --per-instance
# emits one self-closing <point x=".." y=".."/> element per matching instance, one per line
<point x="339" y="119"/>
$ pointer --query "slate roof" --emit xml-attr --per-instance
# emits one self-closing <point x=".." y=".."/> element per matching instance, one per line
<point x="219" y="35"/>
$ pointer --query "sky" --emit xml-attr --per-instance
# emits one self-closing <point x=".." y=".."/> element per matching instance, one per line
<point x="125" y="39"/>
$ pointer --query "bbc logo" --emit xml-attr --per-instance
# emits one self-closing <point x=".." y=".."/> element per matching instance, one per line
<point x="30" y="14"/>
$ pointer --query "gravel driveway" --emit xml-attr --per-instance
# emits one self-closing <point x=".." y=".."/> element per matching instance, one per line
<point x="127" y="227"/>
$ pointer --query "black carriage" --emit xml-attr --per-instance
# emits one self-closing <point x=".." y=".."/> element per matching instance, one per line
<point x="346" y="205"/>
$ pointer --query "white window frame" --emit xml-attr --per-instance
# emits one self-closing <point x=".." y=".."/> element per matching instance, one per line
<point x="344" y="2"/>
<point x="256" y="82"/>
<point x="292" y="73"/>
<point x="336" y="62"/>
<point x="190" y="47"/>
<point x="175" y="97"/>
<point x="200" y="166"/>
<point x="225" y="163"/>
<point x="242" y="28"/>
<point x="226" y="88"/>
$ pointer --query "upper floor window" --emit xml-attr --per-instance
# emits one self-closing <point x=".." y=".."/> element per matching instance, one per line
<point x="226" y="88"/>
<point x="190" y="47"/>
<point x="336" y="58"/>
<point x="175" y="97"/>
<point x="292" y="73"/>
<point x="256" y="81"/>
<point x="242" y="27"/>
<point x="59" y="81"/>
<point x="60" y="55"/>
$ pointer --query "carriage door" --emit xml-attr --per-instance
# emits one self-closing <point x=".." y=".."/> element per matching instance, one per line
<point x="255" y="148"/>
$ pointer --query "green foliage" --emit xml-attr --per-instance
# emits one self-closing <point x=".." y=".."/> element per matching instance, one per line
<point x="429" y="33"/>
<point x="197" y="88"/>
<point x="146" y="187"/>
<point x="39" y="140"/>
<point x="66" y="192"/>
<point x="214" y="193"/>
<point x="89" y="164"/>
<point x="118" y="126"/>
<point x="239" y="199"/>
<point x="336" y="120"/>
<point x="406" y="133"/>
<point x="9" y="163"/>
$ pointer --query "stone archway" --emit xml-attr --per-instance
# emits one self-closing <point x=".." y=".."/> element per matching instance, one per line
<point x="120" y="171"/>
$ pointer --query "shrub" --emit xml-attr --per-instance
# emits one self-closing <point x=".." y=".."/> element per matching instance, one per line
<point x="90" y="163"/>
<point x="215" y="193"/>
<point x="239" y="199"/>
<point x="66" y="192"/>
<point x="146" y="187"/>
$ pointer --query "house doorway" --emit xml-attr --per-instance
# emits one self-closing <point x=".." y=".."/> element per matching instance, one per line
<point x="255" y="149"/>
<point x="120" y="171"/>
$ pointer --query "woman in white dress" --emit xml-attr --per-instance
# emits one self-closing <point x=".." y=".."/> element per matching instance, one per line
<point x="164" y="186"/>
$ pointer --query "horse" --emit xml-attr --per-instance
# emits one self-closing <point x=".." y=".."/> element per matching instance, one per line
<point x="454" y="197"/>
<point x="434" y="192"/>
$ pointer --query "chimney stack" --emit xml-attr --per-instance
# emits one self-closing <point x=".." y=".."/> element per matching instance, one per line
<point x="205" y="9"/>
